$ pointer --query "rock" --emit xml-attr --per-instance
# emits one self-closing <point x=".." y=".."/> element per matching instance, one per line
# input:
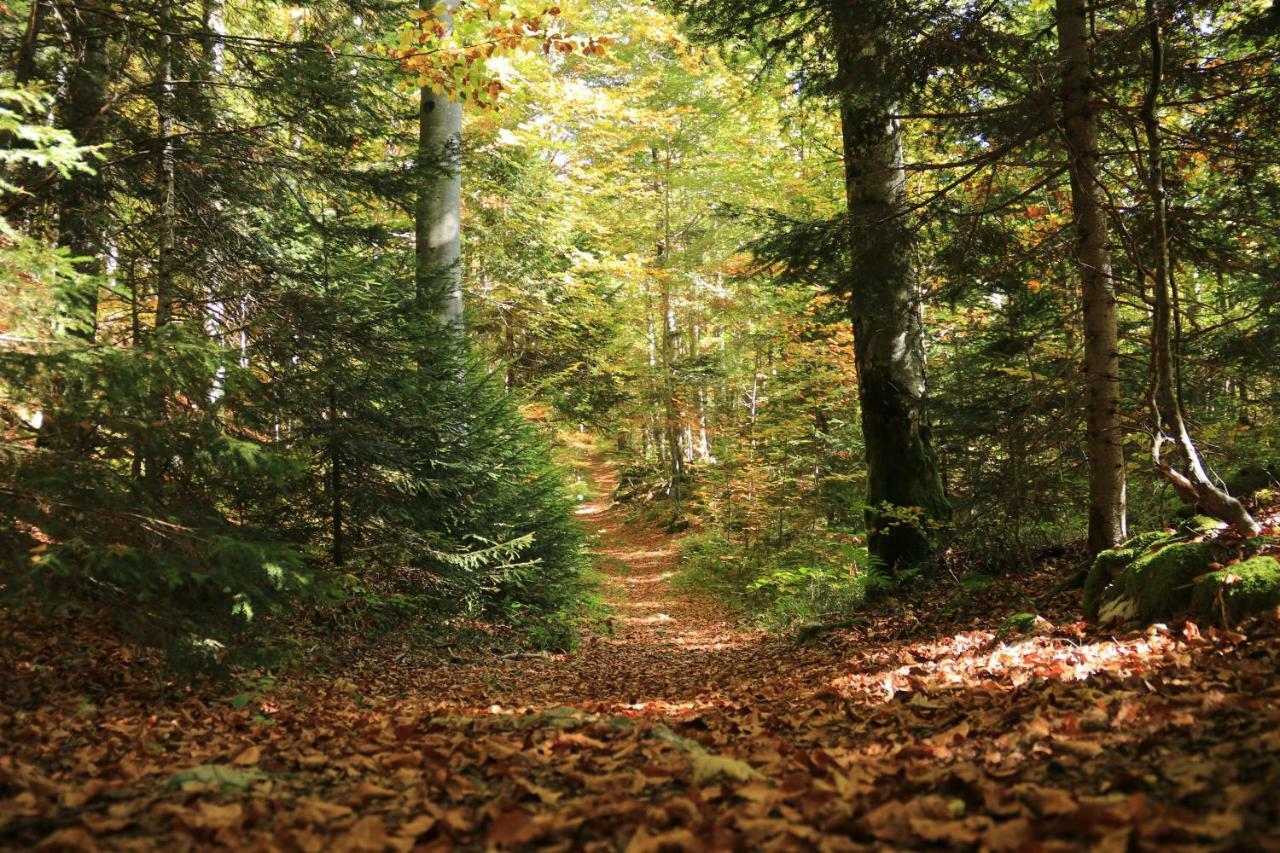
<point x="1199" y="524"/>
<point x="1234" y="592"/>
<point x="1109" y="564"/>
<point x="1157" y="585"/>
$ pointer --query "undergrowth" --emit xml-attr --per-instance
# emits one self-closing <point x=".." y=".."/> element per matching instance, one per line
<point x="811" y="580"/>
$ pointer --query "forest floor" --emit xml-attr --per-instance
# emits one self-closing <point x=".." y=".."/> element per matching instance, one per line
<point x="670" y="728"/>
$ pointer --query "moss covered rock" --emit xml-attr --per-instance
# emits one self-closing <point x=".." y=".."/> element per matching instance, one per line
<point x="1199" y="524"/>
<point x="1158" y="584"/>
<point x="1236" y="591"/>
<point x="1108" y="565"/>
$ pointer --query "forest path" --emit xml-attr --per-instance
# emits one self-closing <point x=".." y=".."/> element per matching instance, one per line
<point x="676" y="731"/>
<point x="663" y="650"/>
<point x="662" y="646"/>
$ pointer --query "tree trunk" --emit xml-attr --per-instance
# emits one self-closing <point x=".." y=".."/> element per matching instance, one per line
<point x="885" y="299"/>
<point x="165" y="172"/>
<point x="1104" y="435"/>
<point x="670" y="406"/>
<point x="24" y="66"/>
<point x="335" y="481"/>
<point x="666" y="344"/>
<point x="438" y="213"/>
<point x="1195" y="487"/>
<point x="84" y="194"/>
<point x="212" y="44"/>
<point x="210" y="75"/>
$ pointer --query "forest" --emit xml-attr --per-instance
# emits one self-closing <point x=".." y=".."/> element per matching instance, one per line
<point x="640" y="425"/>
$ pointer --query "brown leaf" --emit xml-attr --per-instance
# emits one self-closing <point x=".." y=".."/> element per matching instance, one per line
<point x="215" y="816"/>
<point x="72" y="838"/>
<point x="512" y="827"/>
<point x="1007" y="836"/>
<point x="368" y="835"/>
<point x="675" y="841"/>
<point x="250" y="756"/>
<point x="1047" y="802"/>
<point x="420" y="825"/>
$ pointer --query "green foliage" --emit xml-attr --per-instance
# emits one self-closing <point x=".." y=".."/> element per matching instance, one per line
<point x="552" y="632"/>
<point x="810" y="581"/>
<point x="972" y="587"/>
<point x="190" y="559"/>
<point x="33" y="143"/>
<point x="295" y="445"/>
<point x="1253" y="478"/>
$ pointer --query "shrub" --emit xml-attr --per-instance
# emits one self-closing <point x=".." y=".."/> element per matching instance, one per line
<point x="811" y="580"/>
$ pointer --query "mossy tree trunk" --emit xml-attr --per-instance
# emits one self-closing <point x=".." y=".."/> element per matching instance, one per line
<point x="885" y="297"/>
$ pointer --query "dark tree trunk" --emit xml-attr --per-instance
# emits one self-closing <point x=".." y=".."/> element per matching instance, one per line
<point x="84" y="194"/>
<point x="335" y="480"/>
<point x="166" y="172"/>
<point x="885" y="301"/>
<point x="24" y="66"/>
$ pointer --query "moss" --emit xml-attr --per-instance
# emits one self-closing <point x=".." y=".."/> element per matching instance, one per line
<point x="1257" y="589"/>
<point x="1018" y="623"/>
<point x="1140" y="543"/>
<point x="1160" y="583"/>
<point x="1106" y="566"/>
<point x="1109" y="564"/>
<point x="1197" y="524"/>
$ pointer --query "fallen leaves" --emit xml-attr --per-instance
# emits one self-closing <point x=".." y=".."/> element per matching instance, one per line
<point x="676" y="734"/>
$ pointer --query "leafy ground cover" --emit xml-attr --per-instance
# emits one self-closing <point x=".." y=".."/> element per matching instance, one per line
<point x="669" y="728"/>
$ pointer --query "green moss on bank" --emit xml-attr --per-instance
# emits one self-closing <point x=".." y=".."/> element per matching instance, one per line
<point x="1230" y="594"/>
<point x="1156" y="585"/>
<point x="1108" y="565"/>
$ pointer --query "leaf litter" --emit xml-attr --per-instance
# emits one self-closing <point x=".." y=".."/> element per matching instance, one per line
<point x="909" y="731"/>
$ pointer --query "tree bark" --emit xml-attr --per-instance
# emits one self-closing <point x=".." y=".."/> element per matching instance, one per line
<point x="438" y="213"/>
<point x="1195" y="487"/>
<point x="670" y="405"/>
<point x="885" y="299"/>
<point x="166" y="171"/>
<point x="1092" y="255"/>
<point x="336" y="496"/>
<point x="24" y="65"/>
<point x="84" y="194"/>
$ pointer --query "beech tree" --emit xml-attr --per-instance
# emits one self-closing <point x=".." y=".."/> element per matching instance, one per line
<point x="438" y="210"/>
<point x="905" y="496"/>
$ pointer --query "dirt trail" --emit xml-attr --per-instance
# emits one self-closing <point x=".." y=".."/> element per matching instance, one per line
<point x="662" y="647"/>
<point x="663" y="651"/>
